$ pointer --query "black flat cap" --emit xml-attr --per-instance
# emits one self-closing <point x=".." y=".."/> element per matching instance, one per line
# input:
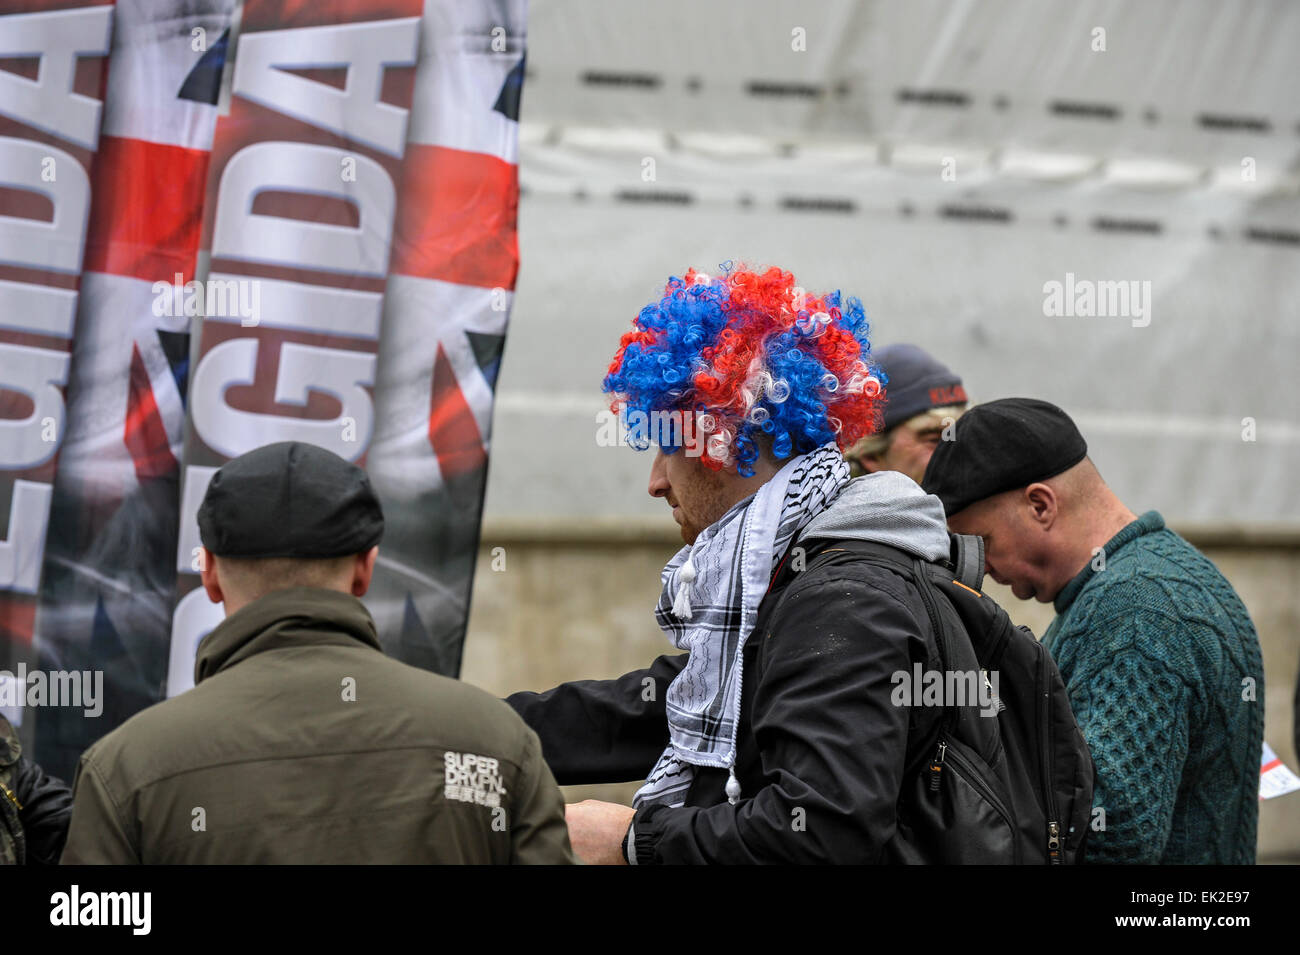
<point x="1002" y="446"/>
<point x="290" y="499"/>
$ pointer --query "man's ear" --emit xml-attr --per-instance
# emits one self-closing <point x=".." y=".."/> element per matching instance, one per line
<point x="363" y="570"/>
<point x="871" y="463"/>
<point x="208" y="574"/>
<point x="1043" y="505"/>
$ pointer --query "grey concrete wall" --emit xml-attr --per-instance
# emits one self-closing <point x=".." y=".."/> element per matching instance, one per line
<point x="754" y="177"/>
<point x="574" y="601"/>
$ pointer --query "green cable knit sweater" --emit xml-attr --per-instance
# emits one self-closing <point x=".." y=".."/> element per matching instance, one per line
<point x="1163" y="668"/>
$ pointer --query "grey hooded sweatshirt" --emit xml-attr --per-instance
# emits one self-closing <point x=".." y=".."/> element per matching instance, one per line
<point x="887" y="507"/>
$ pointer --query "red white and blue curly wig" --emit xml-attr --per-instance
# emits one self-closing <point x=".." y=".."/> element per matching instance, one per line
<point x="748" y="352"/>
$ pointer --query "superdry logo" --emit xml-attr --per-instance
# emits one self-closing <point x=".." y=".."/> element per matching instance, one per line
<point x="470" y="778"/>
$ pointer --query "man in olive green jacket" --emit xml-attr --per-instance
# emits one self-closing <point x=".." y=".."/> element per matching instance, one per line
<point x="301" y="742"/>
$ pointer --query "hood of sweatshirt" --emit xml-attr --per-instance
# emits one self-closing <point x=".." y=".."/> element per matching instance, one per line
<point x="886" y="507"/>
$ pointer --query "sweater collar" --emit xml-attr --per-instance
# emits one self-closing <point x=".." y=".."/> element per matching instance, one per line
<point x="297" y="616"/>
<point x="1148" y="523"/>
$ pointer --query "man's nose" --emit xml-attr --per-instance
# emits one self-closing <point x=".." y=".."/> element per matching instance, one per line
<point x="659" y="485"/>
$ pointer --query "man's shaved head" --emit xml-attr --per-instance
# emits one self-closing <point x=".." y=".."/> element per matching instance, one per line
<point x="1038" y="537"/>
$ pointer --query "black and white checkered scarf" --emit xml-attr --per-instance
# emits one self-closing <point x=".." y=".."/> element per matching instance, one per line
<point x="709" y="605"/>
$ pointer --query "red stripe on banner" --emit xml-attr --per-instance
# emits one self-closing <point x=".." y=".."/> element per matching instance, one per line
<point x="17" y="618"/>
<point x="146" y="212"/>
<point x="295" y="14"/>
<point x="453" y="431"/>
<point x="144" y="434"/>
<point x="457" y="219"/>
<point x="1267" y="766"/>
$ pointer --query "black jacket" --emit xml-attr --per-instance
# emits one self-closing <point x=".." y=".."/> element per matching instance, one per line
<point x="41" y="825"/>
<point x="822" y="752"/>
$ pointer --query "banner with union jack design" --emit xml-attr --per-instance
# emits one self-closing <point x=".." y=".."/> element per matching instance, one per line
<point x="314" y="202"/>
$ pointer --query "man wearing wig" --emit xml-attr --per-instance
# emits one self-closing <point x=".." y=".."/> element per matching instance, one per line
<point x="771" y="736"/>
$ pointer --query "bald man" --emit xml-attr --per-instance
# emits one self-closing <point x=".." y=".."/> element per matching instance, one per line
<point x="1159" y="656"/>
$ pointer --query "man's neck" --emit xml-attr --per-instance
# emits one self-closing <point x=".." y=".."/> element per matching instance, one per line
<point x="1110" y="522"/>
<point x="1100" y="524"/>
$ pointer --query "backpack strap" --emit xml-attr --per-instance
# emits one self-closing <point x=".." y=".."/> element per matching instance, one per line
<point x="967" y="558"/>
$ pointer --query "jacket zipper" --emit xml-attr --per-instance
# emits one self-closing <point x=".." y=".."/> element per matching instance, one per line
<point x="10" y="795"/>
<point x="1053" y="822"/>
<point x="936" y="766"/>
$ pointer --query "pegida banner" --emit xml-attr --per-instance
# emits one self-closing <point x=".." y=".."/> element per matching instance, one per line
<point x="302" y="228"/>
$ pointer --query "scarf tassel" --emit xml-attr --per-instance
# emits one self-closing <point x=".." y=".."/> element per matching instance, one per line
<point x="682" y="603"/>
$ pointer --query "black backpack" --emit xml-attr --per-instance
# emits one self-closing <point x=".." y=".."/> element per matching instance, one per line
<point x="1014" y="789"/>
